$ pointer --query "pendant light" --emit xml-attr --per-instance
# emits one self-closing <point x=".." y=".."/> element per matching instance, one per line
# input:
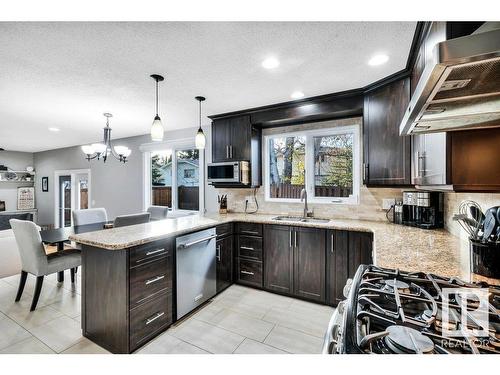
<point x="157" y="127"/>
<point x="200" y="140"/>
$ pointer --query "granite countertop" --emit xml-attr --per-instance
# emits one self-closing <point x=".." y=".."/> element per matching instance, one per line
<point x="395" y="246"/>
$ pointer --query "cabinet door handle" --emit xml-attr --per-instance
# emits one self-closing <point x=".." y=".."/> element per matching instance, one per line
<point x="154" y="317"/>
<point x="154" y="279"/>
<point x="291" y="239"/>
<point x="218" y="253"/>
<point x="231" y="150"/>
<point x="247" y="248"/>
<point x="332" y="247"/>
<point x="295" y="236"/>
<point x="154" y="252"/>
<point x="247" y="273"/>
<point x="227" y="152"/>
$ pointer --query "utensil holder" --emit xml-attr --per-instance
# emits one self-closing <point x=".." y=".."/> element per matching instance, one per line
<point x="485" y="258"/>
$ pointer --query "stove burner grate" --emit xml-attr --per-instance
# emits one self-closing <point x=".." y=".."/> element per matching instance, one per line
<point x="405" y="340"/>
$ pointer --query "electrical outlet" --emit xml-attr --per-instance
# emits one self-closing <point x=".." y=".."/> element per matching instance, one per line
<point x="387" y="203"/>
<point x="249" y="198"/>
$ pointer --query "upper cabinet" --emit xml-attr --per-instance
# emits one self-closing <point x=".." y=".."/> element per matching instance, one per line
<point x="231" y="139"/>
<point x="387" y="155"/>
<point x="236" y="139"/>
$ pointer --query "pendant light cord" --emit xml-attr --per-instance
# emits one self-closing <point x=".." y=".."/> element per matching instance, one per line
<point x="156" y="97"/>
<point x="200" y="114"/>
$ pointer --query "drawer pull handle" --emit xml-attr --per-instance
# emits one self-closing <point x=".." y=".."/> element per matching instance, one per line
<point x="250" y="232"/>
<point x="154" y="279"/>
<point x="247" y="273"/>
<point x="154" y="317"/>
<point x="247" y="248"/>
<point x="154" y="252"/>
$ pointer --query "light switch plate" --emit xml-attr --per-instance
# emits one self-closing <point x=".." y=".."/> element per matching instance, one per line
<point x="387" y="203"/>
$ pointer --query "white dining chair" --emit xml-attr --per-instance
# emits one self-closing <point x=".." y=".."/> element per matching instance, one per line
<point x="89" y="216"/>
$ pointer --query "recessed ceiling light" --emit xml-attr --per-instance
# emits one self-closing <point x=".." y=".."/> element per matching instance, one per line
<point x="55" y="130"/>
<point x="378" y="60"/>
<point x="270" y="63"/>
<point x="297" y="95"/>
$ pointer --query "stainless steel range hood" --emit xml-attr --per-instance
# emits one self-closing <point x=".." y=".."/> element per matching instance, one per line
<point x="459" y="89"/>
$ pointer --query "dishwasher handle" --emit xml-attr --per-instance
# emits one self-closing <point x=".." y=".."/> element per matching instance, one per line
<point x="189" y="244"/>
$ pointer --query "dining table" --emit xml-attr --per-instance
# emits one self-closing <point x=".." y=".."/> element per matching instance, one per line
<point x="60" y="236"/>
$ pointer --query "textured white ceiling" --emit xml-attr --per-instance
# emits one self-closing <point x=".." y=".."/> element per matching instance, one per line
<point x="66" y="74"/>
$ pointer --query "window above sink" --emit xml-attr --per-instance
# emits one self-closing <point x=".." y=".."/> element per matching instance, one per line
<point x="324" y="158"/>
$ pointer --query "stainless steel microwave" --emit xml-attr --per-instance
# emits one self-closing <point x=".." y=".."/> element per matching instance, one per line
<point x="236" y="172"/>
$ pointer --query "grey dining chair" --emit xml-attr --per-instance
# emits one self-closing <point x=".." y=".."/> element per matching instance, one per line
<point x="34" y="260"/>
<point x="89" y="216"/>
<point x="125" y="220"/>
<point x="158" y="212"/>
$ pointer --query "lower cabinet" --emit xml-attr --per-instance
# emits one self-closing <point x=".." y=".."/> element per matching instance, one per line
<point x="345" y="252"/>
<point x="309" y="263"/>
<point x="294" y="261"/>
<point x="224" y="258"/>
<point x="248" y="254"/>
<point x="278" y="258"/>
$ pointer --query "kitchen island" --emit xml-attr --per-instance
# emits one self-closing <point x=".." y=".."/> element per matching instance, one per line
<point x="128" y="273"/>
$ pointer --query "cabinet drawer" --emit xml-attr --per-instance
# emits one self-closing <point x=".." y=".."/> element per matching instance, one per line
<point x="224" y="230"/>
<point x="145" y="253"/>
<point x="249" y="272"/>
<point x="250" y="247"/>
<point x="149" y="279"/>
<point x="251" y="229"/>
<point x="149" y="319"/>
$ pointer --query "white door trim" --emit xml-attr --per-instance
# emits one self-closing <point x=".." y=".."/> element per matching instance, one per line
<point x="72" y="173"/>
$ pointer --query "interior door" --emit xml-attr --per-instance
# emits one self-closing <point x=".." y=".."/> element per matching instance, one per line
<point x="65" y="201"/>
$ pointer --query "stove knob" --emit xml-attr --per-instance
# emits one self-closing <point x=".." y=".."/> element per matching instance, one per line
<point x="347" y="288"/>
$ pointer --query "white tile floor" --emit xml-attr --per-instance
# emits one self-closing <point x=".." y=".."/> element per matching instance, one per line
<point x="240" y="320"/>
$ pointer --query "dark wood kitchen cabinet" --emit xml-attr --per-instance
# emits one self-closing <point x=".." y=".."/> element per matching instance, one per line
<point x="387" y="155"/>
<point x="309" y="263"/>
<point x="127" y="295"/>
<point x="231" y="139"/>
<point x="337" y="250"/>
<point x="345" y="252"/>
<point x="294" y="261"/>
<point x="278" y="258"/>
<point x="236" y="139"/>
<point x="248" y="268"/>
<point x="224" y="259"/>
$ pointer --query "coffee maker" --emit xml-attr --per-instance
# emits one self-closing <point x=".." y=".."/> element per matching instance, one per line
<point x="423" y="209"/>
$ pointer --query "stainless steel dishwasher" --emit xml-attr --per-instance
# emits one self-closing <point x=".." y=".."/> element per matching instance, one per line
<point x="195" y="270"/>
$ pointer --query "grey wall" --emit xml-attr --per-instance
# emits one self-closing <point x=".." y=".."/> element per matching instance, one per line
<point x="116" y="186"/>
<point x="16" y="161"/>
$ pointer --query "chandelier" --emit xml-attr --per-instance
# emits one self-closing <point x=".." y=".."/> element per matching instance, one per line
<point x="104" y="149"/>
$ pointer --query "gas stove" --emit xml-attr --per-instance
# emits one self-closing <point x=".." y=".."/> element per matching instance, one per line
<point x="390" y="311"/>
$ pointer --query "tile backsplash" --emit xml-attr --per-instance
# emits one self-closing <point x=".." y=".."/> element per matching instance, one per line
<point x="370" y="207"/>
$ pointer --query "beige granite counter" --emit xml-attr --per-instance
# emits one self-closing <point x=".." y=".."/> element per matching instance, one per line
<point x="395" y="246"/>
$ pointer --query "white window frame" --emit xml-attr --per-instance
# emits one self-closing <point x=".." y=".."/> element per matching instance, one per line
<point x="178" y="145"/>
<point x="353" y="199"/>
